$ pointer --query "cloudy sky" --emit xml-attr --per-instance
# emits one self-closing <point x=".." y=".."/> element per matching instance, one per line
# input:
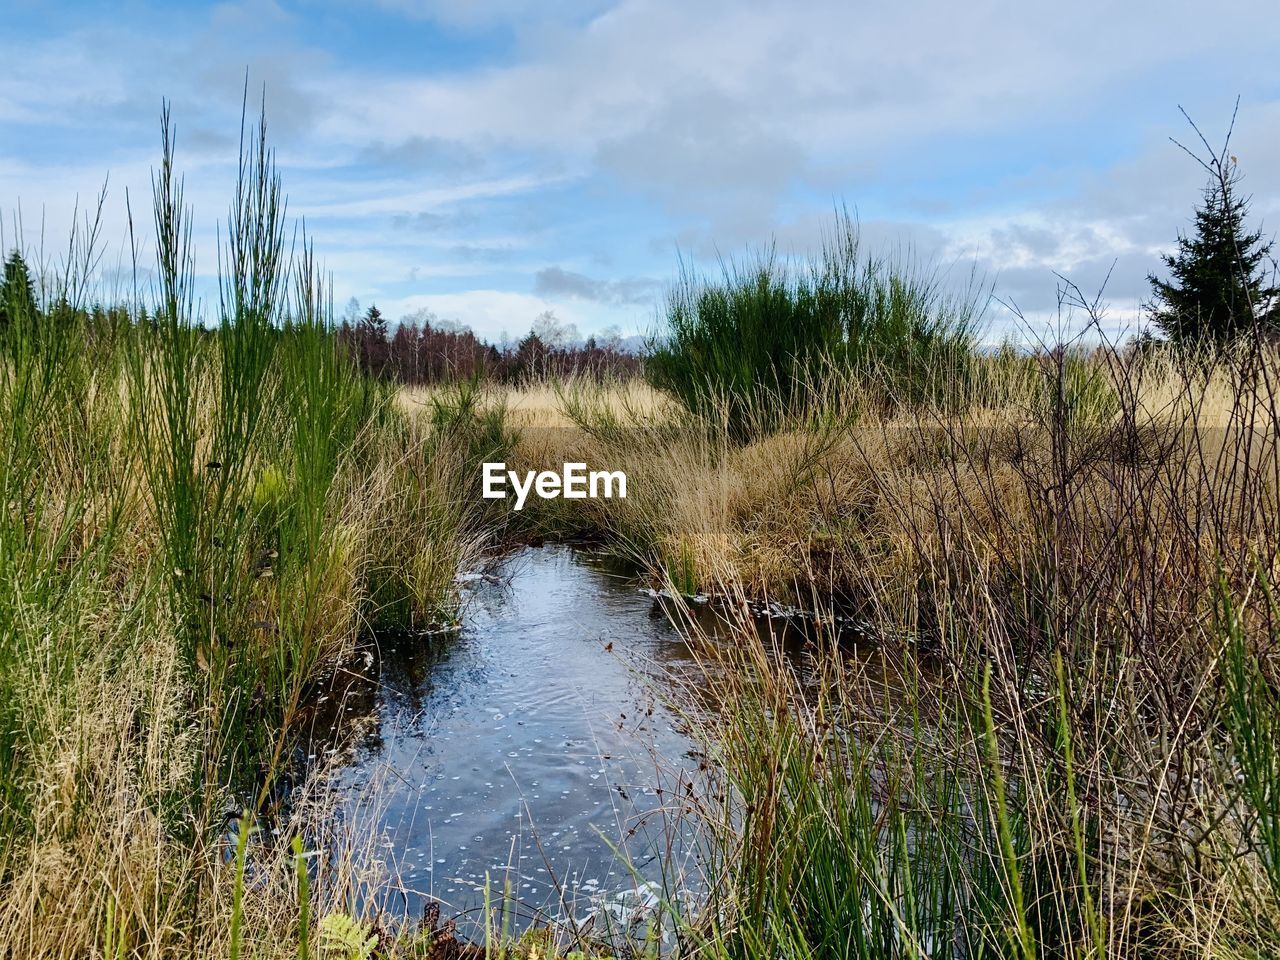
<point x="489" y="160"/>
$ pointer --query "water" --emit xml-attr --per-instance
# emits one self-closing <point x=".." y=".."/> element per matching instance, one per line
<point x="519" y="749"/>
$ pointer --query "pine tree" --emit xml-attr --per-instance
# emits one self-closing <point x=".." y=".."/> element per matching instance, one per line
<point x="531" y="356"/>
<point x="1218" y="285"/>
<point x="17" y="291"/>
<point x="375" y="322"/>
<point x="375" y="351"/>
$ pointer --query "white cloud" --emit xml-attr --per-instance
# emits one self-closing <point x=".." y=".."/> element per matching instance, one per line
<point x="488" y="13"/>
<point x="397" y="198"/>
<point x="493" y="313"/>
<point x="729" y="122"/>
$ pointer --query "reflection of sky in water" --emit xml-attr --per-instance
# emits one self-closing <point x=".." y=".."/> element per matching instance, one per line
<point x="524" y="742"/>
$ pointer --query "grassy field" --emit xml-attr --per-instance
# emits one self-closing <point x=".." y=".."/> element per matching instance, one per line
<point x="1065" y="561"/>
<point x="1067" y="567"/>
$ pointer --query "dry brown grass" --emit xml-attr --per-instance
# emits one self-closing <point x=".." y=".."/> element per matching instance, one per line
<point x="854" y="502"/>
<point x="540" y="404"/>
<point x="107" y="874"/>
<point x="120" y="853"/>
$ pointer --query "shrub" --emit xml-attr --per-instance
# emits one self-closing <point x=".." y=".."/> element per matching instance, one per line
<point x="752" y="345"/>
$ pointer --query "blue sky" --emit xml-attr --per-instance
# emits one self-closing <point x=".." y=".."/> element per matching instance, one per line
<point x="490" y="160"/>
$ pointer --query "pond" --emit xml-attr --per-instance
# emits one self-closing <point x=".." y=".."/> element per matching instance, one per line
<point x="535" y="747"/>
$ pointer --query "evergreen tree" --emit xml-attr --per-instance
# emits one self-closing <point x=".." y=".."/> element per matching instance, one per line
<point x="531" y="356"/>
<point x="1218" y="281"/>
<point x="17" y="291"/>
<point x="375" y="351"/>
<point x="375" y="322"/>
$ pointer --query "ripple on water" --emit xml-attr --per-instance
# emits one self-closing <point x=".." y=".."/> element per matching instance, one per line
<point x="522" y="748"/>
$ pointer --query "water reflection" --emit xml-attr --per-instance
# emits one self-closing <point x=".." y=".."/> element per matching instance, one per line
<point x="531" y="743"/>
<point x="540" y="747"/>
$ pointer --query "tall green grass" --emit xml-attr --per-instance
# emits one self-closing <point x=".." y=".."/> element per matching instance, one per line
<point x="195" y="525"/>
<point x="753" y="345"/>
<point x="1252" y="721"/>
<point x="166" y="363"/>
<point x="881" y="823"/>
<point x="54" y="562"/>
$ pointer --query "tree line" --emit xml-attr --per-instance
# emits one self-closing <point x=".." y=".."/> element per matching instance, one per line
<point x="425" y="350"/>
<point x="1221" y="285"/>
<point x="418" y="350"/>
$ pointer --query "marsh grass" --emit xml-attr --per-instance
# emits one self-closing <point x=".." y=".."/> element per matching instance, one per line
<point x="987" y="800"/>
<point x="747" y="347"/>
<point x="868" y="814"/>
<point x="1070" y="562"/>
<point x="1251" y="715"/>
<point x="199" y="522"/>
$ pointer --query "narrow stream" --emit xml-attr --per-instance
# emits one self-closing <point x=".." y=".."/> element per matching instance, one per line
<point x="520" y="749"/>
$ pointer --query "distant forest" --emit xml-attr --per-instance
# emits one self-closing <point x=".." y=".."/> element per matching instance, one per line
<point x="422" y="350"/>
<point x="419" y="349"/>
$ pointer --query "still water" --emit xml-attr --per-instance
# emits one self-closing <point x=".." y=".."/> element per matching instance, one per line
<point x="540" y="746"/>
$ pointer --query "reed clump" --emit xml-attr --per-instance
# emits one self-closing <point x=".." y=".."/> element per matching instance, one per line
<point x="201" y="517"/>
<point x="748" y="347"/>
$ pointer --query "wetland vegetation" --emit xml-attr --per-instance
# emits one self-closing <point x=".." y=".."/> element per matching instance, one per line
<point x="1035" y="712"/>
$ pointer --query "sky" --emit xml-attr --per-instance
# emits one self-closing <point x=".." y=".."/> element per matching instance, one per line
<point x="488" y="161"/>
